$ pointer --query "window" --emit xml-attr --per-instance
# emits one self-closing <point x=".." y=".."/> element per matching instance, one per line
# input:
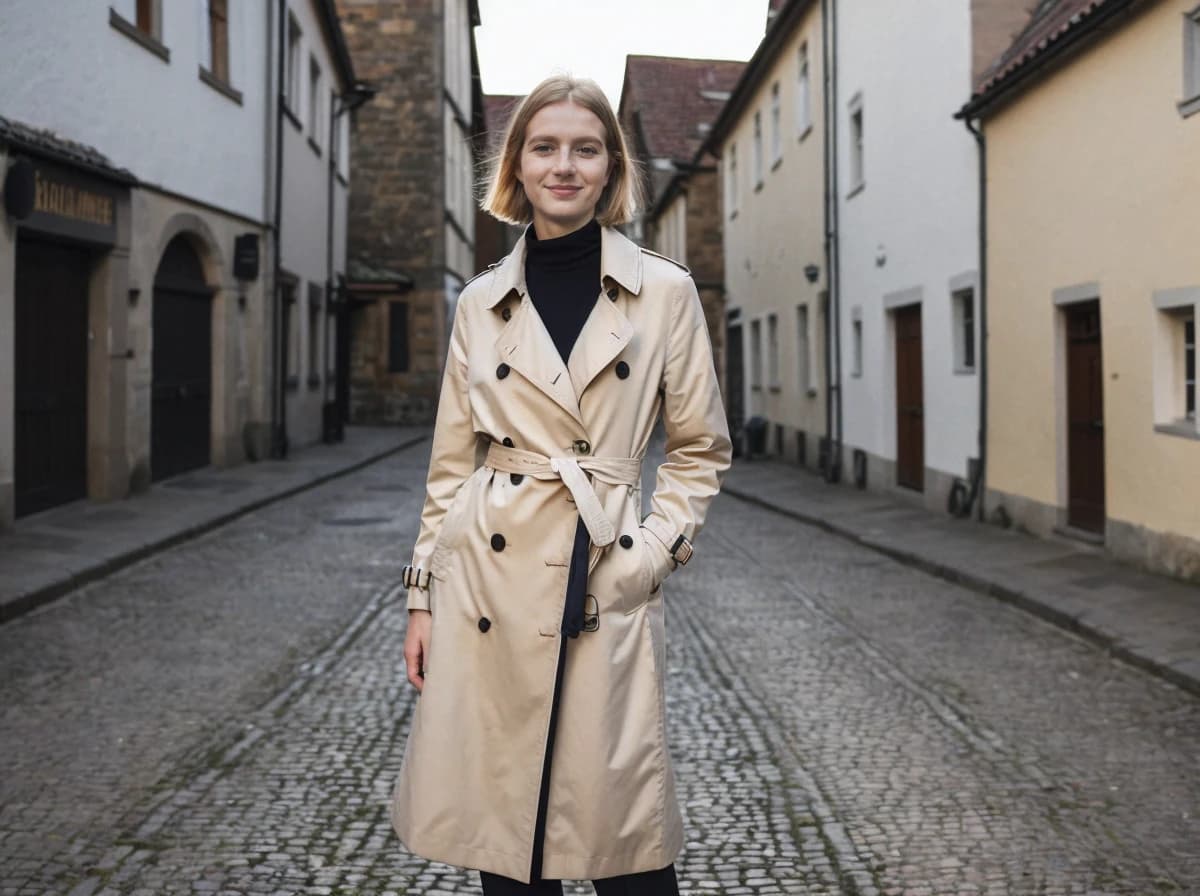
<point x="315" y="341"/>
<point x="856" y="144"/>
<point x="1191" y="63"/>
<point x="756" y="354"/>
<point x="856" y="348"/>
<point x="803" y="101"/>
<point x="964" y="331"/>
<point x="148" y="18"/>
<point x="731" y="171"/>
<point x="292" y="88"/>
<point x="397" y="337"/>
<point x="292" y="318"/>
<point x="773" y="351"/>
<point x="776" y="138"/>
<point x="804" y="380"/>
<point x="314" y="101"/>
<point x="758" y="150"/>
<point x="1175" y="361"/>
<point x="218" y="39"/>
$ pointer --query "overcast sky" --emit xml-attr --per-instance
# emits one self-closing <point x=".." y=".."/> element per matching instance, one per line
<point x="522" y="41"/>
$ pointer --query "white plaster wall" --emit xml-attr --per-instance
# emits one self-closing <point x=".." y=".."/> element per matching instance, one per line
<point x="911" y="63"/>
<point x="67" y="69"/>
<point x="303" y="250"/>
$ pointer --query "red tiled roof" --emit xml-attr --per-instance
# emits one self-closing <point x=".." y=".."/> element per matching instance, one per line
<point x="1049" y="24"/>
<point x="676" y="100"/>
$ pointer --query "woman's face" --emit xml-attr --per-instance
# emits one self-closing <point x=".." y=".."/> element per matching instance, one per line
<point x="564" y="167"/>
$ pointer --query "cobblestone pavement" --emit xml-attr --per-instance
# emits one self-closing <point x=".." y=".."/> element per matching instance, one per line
<point x="228" y="717"/>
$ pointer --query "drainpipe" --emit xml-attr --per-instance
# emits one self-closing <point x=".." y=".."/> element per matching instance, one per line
<point x="833" y="353"/>
<point x="278" y="399"/>
<point x="978" y="489"/>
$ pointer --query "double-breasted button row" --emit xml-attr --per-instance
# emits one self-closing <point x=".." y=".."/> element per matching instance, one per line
<point x="498" y="542"/>
<point x="502" y="371"/>
<point x="484" y="623"/>
<point x="626" y="541"/>
<point x="613" y="293"/>
<point x="583" y="446"/>
<point x="622" y="370"/>
<point x="506" y="313"/>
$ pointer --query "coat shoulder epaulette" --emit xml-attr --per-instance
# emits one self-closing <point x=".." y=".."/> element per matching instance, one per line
<point x="491" y="267"/>
<point x="683" y="267"/>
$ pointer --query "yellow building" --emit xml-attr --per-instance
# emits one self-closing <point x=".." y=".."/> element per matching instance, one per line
<point x="1093" y="228"/>
<point x="770" y="139"/>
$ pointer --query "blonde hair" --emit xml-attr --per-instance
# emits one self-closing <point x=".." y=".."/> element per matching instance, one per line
<point x="621" y="199"/>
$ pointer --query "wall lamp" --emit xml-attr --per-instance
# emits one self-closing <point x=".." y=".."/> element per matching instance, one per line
<point x="811" y="273"/>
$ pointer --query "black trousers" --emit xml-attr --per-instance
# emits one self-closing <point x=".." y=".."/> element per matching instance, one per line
<point x="647" y="883"/>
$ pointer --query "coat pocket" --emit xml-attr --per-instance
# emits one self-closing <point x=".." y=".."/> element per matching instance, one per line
<point x="453" y="524"/>
<point x="651" y="573"/>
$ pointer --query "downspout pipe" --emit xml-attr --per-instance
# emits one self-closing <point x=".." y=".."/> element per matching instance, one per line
<point x="833" y="355"/>
<point x="978" y="487"/>
<point x="278" y="399"/>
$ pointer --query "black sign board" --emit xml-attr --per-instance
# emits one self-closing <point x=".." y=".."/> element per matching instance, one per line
<point x="71" y="204"/>
<point x="245" y="256"/>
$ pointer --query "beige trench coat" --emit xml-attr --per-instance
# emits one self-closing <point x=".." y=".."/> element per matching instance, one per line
<point x="491" y="563"/>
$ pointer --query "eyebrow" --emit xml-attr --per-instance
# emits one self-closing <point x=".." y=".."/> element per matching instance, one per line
<point x="548" y="139"/>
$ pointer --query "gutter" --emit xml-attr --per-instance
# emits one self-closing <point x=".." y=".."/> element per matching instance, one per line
<point x="278" y="398"/>
<point x="833" y="352"/>
<point x="978" y="486"/>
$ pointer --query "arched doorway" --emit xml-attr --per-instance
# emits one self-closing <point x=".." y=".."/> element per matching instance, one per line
<point x="181" y="403"/>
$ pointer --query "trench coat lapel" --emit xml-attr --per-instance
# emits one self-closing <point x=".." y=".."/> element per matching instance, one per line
<point x="607" y="330"/>
<point x="524" y="344"/>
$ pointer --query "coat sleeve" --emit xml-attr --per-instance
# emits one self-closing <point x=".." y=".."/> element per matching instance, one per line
<point x="451" y="461"/>
<point x="698" y="447"/>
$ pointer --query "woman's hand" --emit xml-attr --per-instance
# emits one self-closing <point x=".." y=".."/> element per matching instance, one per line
<point x="416" y="645"/>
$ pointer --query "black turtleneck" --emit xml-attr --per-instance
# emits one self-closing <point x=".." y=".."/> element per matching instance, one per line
<point x="563" y="278"/>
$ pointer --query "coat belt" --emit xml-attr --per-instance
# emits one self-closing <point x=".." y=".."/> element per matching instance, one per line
<point x="573" y="473"/>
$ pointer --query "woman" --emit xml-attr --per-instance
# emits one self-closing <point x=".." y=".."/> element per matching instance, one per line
<point x="538" y="749"/>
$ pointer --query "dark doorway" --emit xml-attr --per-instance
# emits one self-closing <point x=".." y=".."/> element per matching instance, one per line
<point x="910" y="400"/>
<point x="735" y="406"/>
<point x="181" y="404"/>
<point x="50" y="363"/>
<point x="1085" y="419"/>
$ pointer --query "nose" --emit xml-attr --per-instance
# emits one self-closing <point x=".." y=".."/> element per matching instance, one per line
<point x="564" y="162"/>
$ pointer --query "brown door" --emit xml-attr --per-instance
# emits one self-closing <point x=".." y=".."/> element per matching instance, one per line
<point x="50" y="362"/>
<point x="910" y="401"/>
<point x="1085" y="419"/>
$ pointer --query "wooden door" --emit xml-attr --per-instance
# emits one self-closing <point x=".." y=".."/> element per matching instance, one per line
<point x="50" y="368"/>
<point x="1085" y="419"/>
<point x="181" y="403"/>
<point x="735" y="382"/>
<point x="910" y="400"/>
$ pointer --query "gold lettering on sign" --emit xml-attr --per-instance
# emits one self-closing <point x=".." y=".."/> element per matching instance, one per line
<point x="71" y="202"/>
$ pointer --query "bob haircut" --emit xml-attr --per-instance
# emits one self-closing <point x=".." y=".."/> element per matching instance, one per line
<point x="622" y="197"/>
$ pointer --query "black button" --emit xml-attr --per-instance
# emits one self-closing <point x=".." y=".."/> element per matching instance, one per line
<point x="613" y="293"/>
<point x="582" y="446"/>
<point x="506" y="313"/>
<point x="516" y="478"/>
<point x="508" y="443"/>
<point x="502" y="371"/>
<point x="622" y="369"/>
<point x="626" y="541"/>
<point x="497" y="542"/>
<point x="484" y="623"/>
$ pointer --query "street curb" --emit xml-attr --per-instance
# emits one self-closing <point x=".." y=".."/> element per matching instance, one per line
<point x="991" y="588"/>
<point x="40" y="597"/>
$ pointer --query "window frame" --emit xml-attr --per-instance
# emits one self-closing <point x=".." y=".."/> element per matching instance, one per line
<point x="295" y="52"/>
<point x="966" y="338"/>
<point x="856" y="145"/>
<point x="1190" y="104"/>
<point x="772" y="347"/>
<point x="316" y="81"/>
<point x="776" y="126"/>
<point x="758" y="150"/>
<point x="804" y="124"/>
<point x="756" y="355"/>
<point x="856" y="343"/>
<point x="148" y="40"/>
<point x="1174" y="397"/>
<point x="732" y="175"/>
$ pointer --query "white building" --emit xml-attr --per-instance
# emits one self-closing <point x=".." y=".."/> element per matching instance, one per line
<point x="145" y="133"/>
<point x="907" y="187"/>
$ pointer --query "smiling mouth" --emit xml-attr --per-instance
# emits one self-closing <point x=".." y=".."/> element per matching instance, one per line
<point x="566" y="191"/>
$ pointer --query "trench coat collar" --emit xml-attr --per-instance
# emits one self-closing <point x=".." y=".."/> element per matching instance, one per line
<point x="620" y="261"/>
<point x="525" y="345"/>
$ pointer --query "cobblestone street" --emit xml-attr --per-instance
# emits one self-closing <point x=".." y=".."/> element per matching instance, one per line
<point x="228" y="716"/>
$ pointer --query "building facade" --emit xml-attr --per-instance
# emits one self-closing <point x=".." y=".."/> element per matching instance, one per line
<point x="667" y="109"/>
<point x="413" y="213"/>
<point x="1094" y="279"/>
<point x="140" y="329"/>
<point x="770" y="138"/>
